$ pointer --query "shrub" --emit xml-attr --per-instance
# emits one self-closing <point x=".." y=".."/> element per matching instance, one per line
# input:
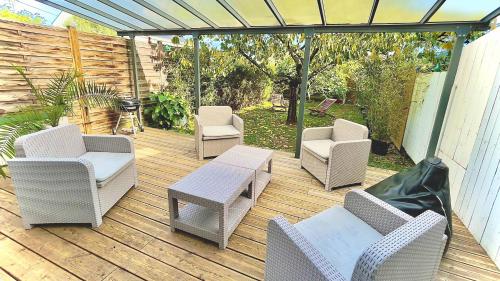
<point x="329" y="84"/>
<point x="165" y="110"/>
<point x="386" y="93"/>
<point x="241" y="87"/>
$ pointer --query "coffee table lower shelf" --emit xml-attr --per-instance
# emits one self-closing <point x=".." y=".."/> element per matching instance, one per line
<point x="204" y="222"/>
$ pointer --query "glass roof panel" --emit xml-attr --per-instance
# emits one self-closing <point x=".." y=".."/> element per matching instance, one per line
<point x="347" y="12"/>
<point x="398" y="11"/>
<point x="115" y="13"/>
<point x="175" y="10"/>
<point x="77" y="9"/>
<point x="215" y="12"/>
<point x="145" y="12"/>
<point x="465" y="10"/>
<point x="299" y="12"/>
<point x="255" y="12"/>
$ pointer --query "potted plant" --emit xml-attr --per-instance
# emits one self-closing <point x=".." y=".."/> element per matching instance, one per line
<point x="53" y="102"/>
<point x="378" y="118"/>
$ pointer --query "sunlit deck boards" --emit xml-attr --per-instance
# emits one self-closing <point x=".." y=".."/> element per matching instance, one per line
<point x="135" y="242"/>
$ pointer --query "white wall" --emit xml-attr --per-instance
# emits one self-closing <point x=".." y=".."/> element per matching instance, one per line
<point x="424" y="104"/>
<point x="470" y="141"/>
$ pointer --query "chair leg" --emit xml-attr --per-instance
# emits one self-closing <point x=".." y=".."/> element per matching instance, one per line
<point x="27" y="225"/>
<point x="115" y="130"/>
<point x="133" y="125"/>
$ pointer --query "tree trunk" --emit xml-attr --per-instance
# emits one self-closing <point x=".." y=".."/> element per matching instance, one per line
<point x="292" y="106"/>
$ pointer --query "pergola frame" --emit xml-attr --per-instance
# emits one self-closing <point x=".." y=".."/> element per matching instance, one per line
<point x="125" y="28"/>
<point x="460" y="29"/>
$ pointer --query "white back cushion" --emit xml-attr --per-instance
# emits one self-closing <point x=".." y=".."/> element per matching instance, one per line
<point x="64" y="141"/>
<point x="216" y="115"/>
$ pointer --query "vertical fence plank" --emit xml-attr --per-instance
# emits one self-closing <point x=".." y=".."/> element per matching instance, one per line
<point x="77" y="65"/>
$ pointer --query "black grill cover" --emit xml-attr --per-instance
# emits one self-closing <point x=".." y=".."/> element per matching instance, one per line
<point x="424" y="187"/>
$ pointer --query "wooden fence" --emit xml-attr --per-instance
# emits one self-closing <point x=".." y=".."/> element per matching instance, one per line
<point x="470" y="141"/>
<point x="424" y="103"/>
<point x="44" y="51"/>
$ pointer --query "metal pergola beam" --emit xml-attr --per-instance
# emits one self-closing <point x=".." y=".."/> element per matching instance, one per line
<point x="303" y="90"/>
<point x="161" y="13"/>
<point x="103" y="14"/>
<point x="446" y="91"/>
<point x="321" y="7"/>
<point x="135" y="75"/>
<point x="374" y="28"/>
<point x="234" y="13"/>
<point x="70" y="11"/>
<point x="491" y="15"/>
<point x="194" y="12"/>
<point x="373" y="11"/>
<point x="275" y="12"/>
<point x="130" y="13"/>
<point x="432" y="11"/>
<point x="197" y="88"/>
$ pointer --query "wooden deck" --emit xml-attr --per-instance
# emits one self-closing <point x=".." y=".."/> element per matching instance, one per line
<point x="134" y="241"/>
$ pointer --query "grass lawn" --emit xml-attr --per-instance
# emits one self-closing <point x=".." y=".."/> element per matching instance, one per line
<point x="266" y="128"/>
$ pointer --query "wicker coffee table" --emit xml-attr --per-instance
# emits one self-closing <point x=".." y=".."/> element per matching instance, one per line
<point x="218" y="197"/>
<point x="257" y="159"/>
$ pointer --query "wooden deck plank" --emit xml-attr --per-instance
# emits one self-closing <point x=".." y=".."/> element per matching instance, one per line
<point x="24" y="264"/>
<point x="135" y="243"/>
<point x="5" y="276"/>
<point x="66" y="255"/>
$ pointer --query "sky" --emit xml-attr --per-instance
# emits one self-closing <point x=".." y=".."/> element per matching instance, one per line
<point x="48" y="13"/>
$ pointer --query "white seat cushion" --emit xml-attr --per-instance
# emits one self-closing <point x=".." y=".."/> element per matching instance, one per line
<point x="320" y="148"/>
<point x="220" y="132"/>
<point x="108" y="164"/>
<point x="339" y="236"/>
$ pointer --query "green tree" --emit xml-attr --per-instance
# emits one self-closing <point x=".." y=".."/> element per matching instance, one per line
<point x="6" y="13"/>
<point x="84" y="25"/>
<point x="226" y="78"/>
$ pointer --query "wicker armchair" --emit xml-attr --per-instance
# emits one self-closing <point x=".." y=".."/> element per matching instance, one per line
<point x="217" y="129"/>
<point x="62" y="176"/>
<point x="367" y="239"/>
<point x="338" y="155"/>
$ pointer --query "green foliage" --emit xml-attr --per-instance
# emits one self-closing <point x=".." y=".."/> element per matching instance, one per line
<point x="6" y="13"/>
<point x="165" y="110"/>
<point x="14" y="125"/>
<point x="55" y="100"/>
<point x="84" y="25"/>
<point x="329" y="84"/>
<point x="385" y="93"/>
<point x="242" y="86"/>
<point x="224" y="77"/>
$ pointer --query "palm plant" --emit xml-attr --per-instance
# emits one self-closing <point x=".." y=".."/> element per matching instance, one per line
<point x="55" y="100"/>
<point x="15" y="125"/>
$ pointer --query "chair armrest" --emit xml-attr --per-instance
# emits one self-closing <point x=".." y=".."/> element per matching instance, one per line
<point x="378" y="214"/>
<point x="318" y="133"/>
<point x="291" y="257"/>
<point x="198" y="137"/>
<point x="198" y="126"/>
<point x="347" y="163"/>
<point x="65" y="182"/>
<point x="238" y="123"/>
<point x="415" y="248"/>
<point x="108" y="143"/>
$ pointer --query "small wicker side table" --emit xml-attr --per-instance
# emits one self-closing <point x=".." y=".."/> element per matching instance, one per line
<point x="257" y="159"/>
<point x="218" y="197"/>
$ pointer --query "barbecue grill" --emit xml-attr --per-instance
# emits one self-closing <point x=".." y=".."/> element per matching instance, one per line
<point x="129" y="108"/>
